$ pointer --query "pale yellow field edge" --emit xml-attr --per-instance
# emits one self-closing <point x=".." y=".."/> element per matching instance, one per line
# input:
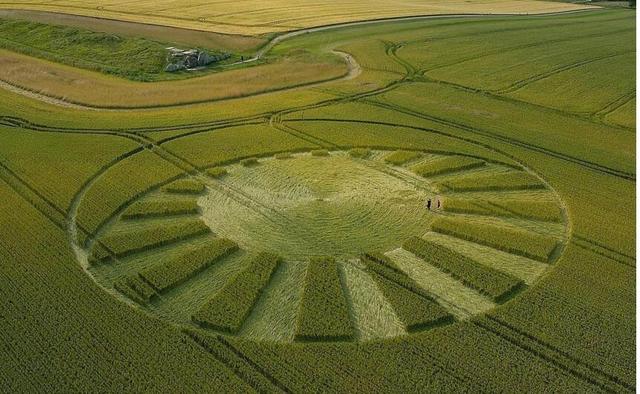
<point x="459" y="300"/>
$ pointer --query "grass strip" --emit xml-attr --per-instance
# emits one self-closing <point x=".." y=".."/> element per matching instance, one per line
<point x="414" y="306"/>
<point x="495" y="284"/>
<point x="231" y="306"/>
<point x="323" y="313"/>
<point x="447" y="165"/>
<point x="156" y="208"/>
<point x="128" y="243"/>
<point x="401" y="156"/>
<point x="184" y="186"/>
<point x="176" y="270"/>
<point x="495" y="182"/>
<point x="516" y="241"/>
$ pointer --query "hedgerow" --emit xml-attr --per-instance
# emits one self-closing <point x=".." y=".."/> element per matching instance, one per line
<point x="177" y="269"/>
<point x="414" y="306"/>
<point x="323" y="313"/>
<point x="154" y="208"/>
<point x="516" y="241"/>
<point x="493" y="283"/>
<point x="504" y="181"/>
<point x="401" y="156"/>
<point x="185" y="186"/>
<point x="127" y="243"/>
<point x="230" y="307"/>
<point x="447" y="165"/>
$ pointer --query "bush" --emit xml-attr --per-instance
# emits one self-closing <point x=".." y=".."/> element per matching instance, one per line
<point x="323" y="314"/>
<point x="488" y="281"/>
<point x="230" y="307"/>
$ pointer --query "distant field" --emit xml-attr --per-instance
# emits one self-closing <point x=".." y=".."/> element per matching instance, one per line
<point x="255" y="17"/>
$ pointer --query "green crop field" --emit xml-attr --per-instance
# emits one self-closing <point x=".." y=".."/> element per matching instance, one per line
<point x="412" y="202"/>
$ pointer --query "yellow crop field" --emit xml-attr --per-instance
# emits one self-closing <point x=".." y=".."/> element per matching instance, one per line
<point x="251" y="17"/>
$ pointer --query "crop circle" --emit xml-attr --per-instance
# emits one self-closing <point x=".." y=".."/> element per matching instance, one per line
<point x="348" y="245"/>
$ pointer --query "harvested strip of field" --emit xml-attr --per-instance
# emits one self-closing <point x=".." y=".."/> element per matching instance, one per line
<point x="135" y="288"/>
<point x="230" y="307"/>
<point x="185" y="186"/>
<point x="492" y="283"/>
<point x="323" y="314"/>
<point x="458" y="299"/>
<point x="447" y="165"/>
<point x="93" y="89"/>
<point x="401" y="157"/>
<point x="163" y="207"/>
<point x="521" y="242"/>
<point x="502" y="181"/>
<point x="373" y="314"/>
<point x="413" y="305"/>
<point x="176" y="270"/>
<point x="127" y="243"/>
<point x="274" y="315"/>
<point x="529" y="209"/>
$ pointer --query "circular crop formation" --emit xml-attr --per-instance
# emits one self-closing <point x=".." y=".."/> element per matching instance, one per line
<point x="333" y="245"/>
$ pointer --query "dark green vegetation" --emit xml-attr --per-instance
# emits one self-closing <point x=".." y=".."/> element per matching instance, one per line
<point x="491" y="282"/>
<point x="477" y="87"/>
<point x="324" y="314"/>
<point x="230" y="307"/>
<point x="414" y="306"/>
<point x="138" y="59"/>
